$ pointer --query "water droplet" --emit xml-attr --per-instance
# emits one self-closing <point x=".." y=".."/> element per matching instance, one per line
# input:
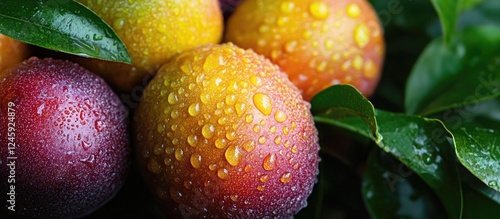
<point x="277" y="140"/>
<point x="285" y="130"/>
<point x="264" y="178"/>
<point x="86" y="145"/>
<point x="231" y="135"/>
<point x="287" y="7"/>
<point x="370" y="70"/>
<point x="233" y="155"/>
<point x="89" y="161"/>
<point x="192" y="140"/>
<point x="222" y="173"/>
<point x="295" y="149"/>
<point x="196" y="160"/>
<point x="208" y="131"/>
<point x="357" y="63"/>
<point x="249" y="118"/>
<point x="212" y="62"/>
<point x="261" y="188"/>
<point x="319" y="10"/>
<point x="175" y="194"/>
<point x="188" y="184"/>
<point x="169" y="150"/>
<point x="234" y="198"/>
<point x="262" y="140"/>
<point x="361" y="35"/>
<point x="205" y="98"/>
<point x="429" y="158"/>
<point x="249" y="146"/>
<point x="174" y="114"/>
<point x="256" y="128"/>
<point x="240" y="108"/>
<point x="179" y="154"/>
<point x="154" y="166"/>
<point x="194" y="109"/>
<point x="172" y="98"/>
<point x="493" y="184"/>
<point x="248" y="168"/>
<point x="99" y="125"/>
<point x="280" y="116"/>
<point x="220" y="143"/>
<point x="353" y="10"/>
<point x="263" y="103"/>
<point x="286" y="177"/>
<point x="269" y="162"/>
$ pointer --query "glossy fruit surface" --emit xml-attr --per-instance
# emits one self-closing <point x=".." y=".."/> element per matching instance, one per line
<point x="153" y="31"/>
<point x="318" y="43"/>
<point x="222" y="132"/>
<point x="64" y="145"/>
<point x="12" y="52"/>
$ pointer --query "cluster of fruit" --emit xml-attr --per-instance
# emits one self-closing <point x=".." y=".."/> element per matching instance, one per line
<point x="223" y="128"/>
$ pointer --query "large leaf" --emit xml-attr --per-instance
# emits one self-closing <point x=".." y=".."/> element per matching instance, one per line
<point x="448" y="11"/>
<point x="62" y="25"/>
<point x="391" y="190"/>
<point x="465" y="72"/>
<point x="478" y="149"/>
<point x="344" y="101"/>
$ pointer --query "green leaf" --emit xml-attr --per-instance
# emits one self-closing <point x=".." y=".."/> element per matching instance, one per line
<point x="468" y="4"/>
<point x="344" y="101"/>
<point x="391" y="190"/>
<point x="478" y="149"/>
<point x="448" y="11"/>
<point x="61" y="25"/>
<point x="422" y="145"/>
<point x="465" y="72"/>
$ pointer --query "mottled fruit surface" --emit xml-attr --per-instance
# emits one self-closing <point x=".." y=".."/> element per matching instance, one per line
<point x="153" y="31"/>
<point x="64" y="145"/>
<point x="12" y="52"/>
<point x="222" y="133"/>
<point x="319" y="43"/>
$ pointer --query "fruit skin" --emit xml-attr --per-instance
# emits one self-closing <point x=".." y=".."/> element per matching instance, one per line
<point x="319" y="43"/>
<point x="222" y="133"/>
<point x="153" y="31"/>
<point x="70" y="136"/>
<point x="12" y="52"/>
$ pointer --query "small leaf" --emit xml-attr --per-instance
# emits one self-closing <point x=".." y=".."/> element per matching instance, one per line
<point x="61" y="25"/>
<point x="391" y="190"/>
<point x="448" y="11"/>
<point x="465" y="72"/>
<point x="344" y="101"/>
<point x="478" y="149"/>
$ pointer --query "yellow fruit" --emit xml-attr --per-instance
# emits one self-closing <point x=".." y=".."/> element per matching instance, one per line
<point x="153" y="31"/>
<point x="222" y="133"/>
<point x="319" y="43"/>
<point x="12" y="52"/>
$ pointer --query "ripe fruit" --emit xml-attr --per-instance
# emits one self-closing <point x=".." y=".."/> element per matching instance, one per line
<point x="318" y="43"/>
<point x="153" y="31"/>
<point x="222" y="132"/>
<point x="12" y="52"/>
<point x="64" y="144"/>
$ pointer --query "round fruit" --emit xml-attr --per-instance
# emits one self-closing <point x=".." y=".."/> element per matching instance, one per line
<point x="222" y="133"/>
<point x="64" y="141"/>
<point x="12" y="52"/>
<point x="319" y="43"/>
<point x="153" y="31"/>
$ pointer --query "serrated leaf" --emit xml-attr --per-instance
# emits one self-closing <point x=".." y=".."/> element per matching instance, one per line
<point x="344" y="101"/>
<point x="448" y="11"/>
<point x="61" y="25"/>
<point x="391" y="190"/>
<point x="465" y="72"/>
<point x="478" y="149"/>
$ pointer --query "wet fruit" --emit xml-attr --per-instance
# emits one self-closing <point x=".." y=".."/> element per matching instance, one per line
<point x="222" y="132"/>
<point x="64" y="146"/>
<point x="12" y="52"/>
<point x="153" y="31"/>
<point x="319" y="43"/>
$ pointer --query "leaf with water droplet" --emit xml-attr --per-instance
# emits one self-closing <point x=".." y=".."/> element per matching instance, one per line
<point x="62" y="25"/>
<point x="478" y="149"/>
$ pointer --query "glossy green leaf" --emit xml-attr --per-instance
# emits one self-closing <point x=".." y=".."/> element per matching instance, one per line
<point x="468" y="4"/>
<point x="465" y="72"/>
<point x="392" y="190"/>
<point x="344" y="101"/>
<point x="448" y="11"/>
<point x="478" y="149"/>
<point x="61" y="25"/>
<point x="477" y="185"/>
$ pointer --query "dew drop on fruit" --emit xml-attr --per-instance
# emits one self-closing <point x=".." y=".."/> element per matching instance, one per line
<point x="370" y="69"/>
<point x="280" y="116"/>
<point x="234" y="197"/>
<point x="220" y="143"/>
<point x="361" y="35"/>
<point x="319" y="10"/>
<point x="179" y="154"/>
<point x="89" y="161"/>
<point x="175" y="194"/>
<point x="261" y="188"/>
<point x="196" y="160"/>
<point x="264" y="178"/>
<point x="249" y="146"/>
<point x="213" y="61"/>
<point x="212" y="167"/>
<point x="172" y="98"/>
<point x="249" y="118"/>
<point x="263" y="103"/>
<point x="287" y="7"/>
<point x="233" y="155"/>
<point x="277" y="140"/>
<point x="269" y="162"/>
<point x="169" y="150"/>
<point x="194" y="109"/>
<point x="262" y="139"/>
<point x="353" y="10"/>
<point x="222" y="173"/>
<point x="248" y="168"/>
<point x="99" y="126"/>
<point x="192" y="140"/>
<point x="286" y="177"/>
<point x="208" y="131"/>
<point x="295" y="149"/>
<point x="86" y="145"/>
